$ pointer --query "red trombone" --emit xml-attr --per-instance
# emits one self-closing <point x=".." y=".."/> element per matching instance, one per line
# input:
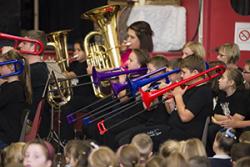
<point x="17" y="40"/>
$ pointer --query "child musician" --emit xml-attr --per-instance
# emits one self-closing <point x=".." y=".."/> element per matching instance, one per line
<point x="14" y="97"/>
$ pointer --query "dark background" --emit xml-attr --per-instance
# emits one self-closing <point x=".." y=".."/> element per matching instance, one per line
<point x="17" y="15"/>
<point x="54" y="15"/>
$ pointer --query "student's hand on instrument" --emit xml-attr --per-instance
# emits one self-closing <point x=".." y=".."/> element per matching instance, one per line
<point x="171" y="104"/>
<point x="122" y="78"/>
<point x="178" y="91"/>
<point x="89" y="69"/>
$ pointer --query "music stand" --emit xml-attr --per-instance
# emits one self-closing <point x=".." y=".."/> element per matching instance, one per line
<point x="53" y="136"/>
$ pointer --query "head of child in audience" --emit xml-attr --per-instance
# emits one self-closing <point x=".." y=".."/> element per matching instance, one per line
<point x="137" y="59"/>
<point x="245" y="137"/>
<point x="228" y="53"/>
<point x="76" y="153"/>
<point x="157" y="62"/>
<point x="231" y="79"/>
<point x="246" y="73"/>
<point x="190" y="66"/>
<point x="175" y="160"/>
<point x="173" y="65"/>
<point x="191" y="48"/>
<point x="199" y="161"/>
<point x="154" y="161"/>
<point x="193" y="147"/>
<point x="38" y="153"/>
<point x="239" y="150"/>
<point x="243" y="162"/>
<point x="102" y="157"/>
<point x="168" y="147"/>
<point x="128" y="156"/>
<point x="13" y="154"/>
<point x="223" y="141"/>
<point x="144" y="144"/>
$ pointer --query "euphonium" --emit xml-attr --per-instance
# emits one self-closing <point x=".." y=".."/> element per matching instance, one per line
<point x="59" y="41"/>
<point x="106" y="55"/>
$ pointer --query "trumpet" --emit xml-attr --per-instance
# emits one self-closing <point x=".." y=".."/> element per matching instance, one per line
<point x="38" y="49"/>
<point x="148" y="97"/>
<point x="18" y="64"/>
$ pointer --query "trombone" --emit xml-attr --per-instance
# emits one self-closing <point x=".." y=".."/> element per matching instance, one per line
<point x="38" y="49"/>
<point x="18" y="65"/>
<point x="118" y="87"/>
<point x="148" y="97"/>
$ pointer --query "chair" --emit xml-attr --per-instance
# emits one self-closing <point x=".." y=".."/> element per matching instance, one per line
<point x="24" y="120"/>
<point x="36" y="122"/>
<point x="205" y="131"/>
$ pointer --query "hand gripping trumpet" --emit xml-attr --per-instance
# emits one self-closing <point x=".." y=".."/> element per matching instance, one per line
<point x="18" y="65"/>
<point x="38" y="49"/>
<point x="148" y="97"/>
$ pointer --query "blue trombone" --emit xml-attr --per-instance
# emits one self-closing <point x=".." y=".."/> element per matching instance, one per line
<point x="18" y="64"/>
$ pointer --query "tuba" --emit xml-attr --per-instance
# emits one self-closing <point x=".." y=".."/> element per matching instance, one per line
<point x="59" y="41"/>
<point x="104" y="55"/>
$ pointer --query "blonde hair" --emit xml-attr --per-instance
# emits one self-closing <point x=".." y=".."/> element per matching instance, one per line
<point x="13" y="154"/>
<point x="154" y="161"/>
<point x="143" y="143"/>
<point x="245" y="137"/>
<point x="129" y="156"/>
<point x="231" y="51"/>
<point x="175" y="160"/>
<point x="79" y="150"/>
<point x="193" y="147"/>
<point x="169" y="147"/>
<point x="196" y="47"/>
<point x="102" y="157"/>
<point x="25" y="76"/>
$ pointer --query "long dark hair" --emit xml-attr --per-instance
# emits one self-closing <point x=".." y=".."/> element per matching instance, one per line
<point x="144" y="33"/>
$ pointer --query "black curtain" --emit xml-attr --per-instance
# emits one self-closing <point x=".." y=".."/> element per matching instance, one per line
<point x="241" y="6"/>
<point x="65" y="14"/>
<point x="10" y="16"/>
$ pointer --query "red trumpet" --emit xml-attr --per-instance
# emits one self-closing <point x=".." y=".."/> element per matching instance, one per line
<point x="148" y="97"/>
<point x="38" y="49"/>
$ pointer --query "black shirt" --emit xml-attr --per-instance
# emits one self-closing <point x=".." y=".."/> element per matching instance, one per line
<point x="81" y="69"/>
<point x="237" y="103"/>
<point x="12" y="103"/>
<point x="39" y="75"/>
<point x="199" y="101"/>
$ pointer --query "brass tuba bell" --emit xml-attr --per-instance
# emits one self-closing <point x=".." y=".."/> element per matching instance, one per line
<point x="106" y="54"/>
<point x="58" y="40"/>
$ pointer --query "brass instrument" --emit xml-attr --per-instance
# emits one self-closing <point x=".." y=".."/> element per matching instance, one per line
<point x="106" y="55"/>
<point x="59" y="41"/>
